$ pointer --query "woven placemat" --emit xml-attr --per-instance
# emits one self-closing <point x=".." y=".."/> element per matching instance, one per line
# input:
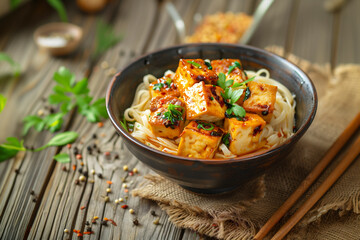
<point x="240" y="214"/>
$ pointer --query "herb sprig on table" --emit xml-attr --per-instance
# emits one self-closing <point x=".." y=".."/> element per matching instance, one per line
<point x="16" y="67"/>
<point x="105" y="38"/>
<point x="2" y="102"/>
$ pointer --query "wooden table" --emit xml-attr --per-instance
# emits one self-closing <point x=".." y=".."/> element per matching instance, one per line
<point x="301" y="27"/>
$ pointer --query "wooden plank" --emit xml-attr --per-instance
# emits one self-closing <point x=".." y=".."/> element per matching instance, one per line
<point x="313" y="32"/>
<point x="273" y="28"/>
<point x="348" y="49"/>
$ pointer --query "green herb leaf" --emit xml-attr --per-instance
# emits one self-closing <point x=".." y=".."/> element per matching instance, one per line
<point x="226" y="139"/>
<point x="59" y="7"/>
<point x="173" y="114"/>
<point x="6" y="153"/>
<point x="105" y="38"/>
<point x="208" y="64"/>
<point x="168" y="82"/>
<point x="65" y="78"/>
<point x="81" y="87"/>
<point x="124" y="124"/>
<point x="235" y="95"/>
<point x="238" y="111"/>
<point x="229" y="82"/>
<point x="53" y="122"/>
<point x="233" y="66"/>
<point x="58" y="98"/>
<point x="62" y="138"/>
<point x="205" y="125"/>
<point x="158" y="86"/>
<point x="221" y="80"/>
<point x="247" y="93"/>
<point x="236" y="85"/>
<point x="15" y="65"/>
<point x="194" y="64"/>
<point x="33" y="121"/>
<point x="62" y="158"/>
<point x="14" y="4"/>
<point x="2" y="102"/>
<point x="10" y="148"/>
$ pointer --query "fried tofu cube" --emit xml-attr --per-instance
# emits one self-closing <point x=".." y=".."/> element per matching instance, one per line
<point x="164" y="86"/>
<point x="167" y="116"/>
<point x="200" y="139"/>
<point x="245" y="134"/>
<point x="204" y="102"/>
<point x="262" y="100"/>
<point x="223" y="65"/>
<point x="191" y="71"/>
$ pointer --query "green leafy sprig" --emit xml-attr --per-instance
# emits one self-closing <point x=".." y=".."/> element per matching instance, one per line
<point x="67" y="94"/>
<point x="60" y="9"/>
<point x="205" y="125"/>
<point x="194" y="64"/>
<point x="208" y="64"/>
<point x="13" y="145"/>
<point x="105" y="38"/>
<point x="16" y="67"/>
<point x="173" y="114"/>
<point x="2" y="102"/>
<point x="233" y="66"/>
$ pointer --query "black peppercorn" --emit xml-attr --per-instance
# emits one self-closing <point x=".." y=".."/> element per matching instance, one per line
<point x="104" y="223"/>
<point x="136" y="222"/>
<point x="100" y="175"/>
<point x="153" y="213"/>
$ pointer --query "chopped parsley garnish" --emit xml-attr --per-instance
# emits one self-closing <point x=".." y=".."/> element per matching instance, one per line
<point x="247" y="93"/>
<point x="233" y="66"/>
<point x="226" y="139"/>
<point x="158" y="86"/>
<point x="205" y="125"/>
<point x="212" y="98"/>
<point x="231" y="96"/>
<point x="242" y="83"/>
<point x="173" y="114"/>
<point x="208" y="64"/>
<point x="194" y="64"/>
<point x="222" y="81"/>
<point x="168" y="82"/>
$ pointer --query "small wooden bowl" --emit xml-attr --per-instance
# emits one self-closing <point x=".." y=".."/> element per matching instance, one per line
<point x="58" y="38"/>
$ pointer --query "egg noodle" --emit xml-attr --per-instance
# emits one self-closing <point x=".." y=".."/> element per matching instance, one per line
<point x="274" y="133"/>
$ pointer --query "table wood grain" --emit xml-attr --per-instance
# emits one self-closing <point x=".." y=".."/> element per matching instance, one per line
<point x="300" y="27"/>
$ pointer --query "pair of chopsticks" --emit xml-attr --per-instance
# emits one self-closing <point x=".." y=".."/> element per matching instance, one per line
<point x="351" y="154"/>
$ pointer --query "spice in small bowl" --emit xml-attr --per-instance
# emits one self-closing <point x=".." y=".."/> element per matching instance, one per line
<point x="58" y="38"/>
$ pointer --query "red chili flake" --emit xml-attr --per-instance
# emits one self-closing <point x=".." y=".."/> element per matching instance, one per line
<point x="68" y="145"/>
<point x="74" y="167"/>
<point x="100" y="124"/>
<point x="126" y="190"/>
<point x="109" y="182"/>
<point x="93" y="221"/>
<point x="106" y="219"/>
<point x="124" y="206"/>
<point x="80" y="235"/>
<point x="214" y="225"/>
<point x="78" y="156"/>
<point x="112" y="221"/>
<point x="131" y="173"/>
<point x="82" y="208"/>
<point x="76" y="231"/>
<point x="107" y="154"/>
<point x="88" y="233"/>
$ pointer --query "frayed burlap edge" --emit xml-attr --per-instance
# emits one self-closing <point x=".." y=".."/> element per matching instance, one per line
<point x="231" y="222"/>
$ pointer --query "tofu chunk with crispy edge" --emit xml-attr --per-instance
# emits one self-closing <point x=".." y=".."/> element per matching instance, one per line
<point x="204" y="102"/>
<point x="223" y="65"/>
<point x="197" y="142"/>
<point x="161" y="126"/>
<point x="245" y="134"/>
<point x="262" y="100"/>
<point x="164" y="86"/>
<point x="188" y="74"/>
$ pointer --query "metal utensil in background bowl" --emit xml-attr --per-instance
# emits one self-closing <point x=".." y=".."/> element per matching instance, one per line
<point x="210" y="175"/>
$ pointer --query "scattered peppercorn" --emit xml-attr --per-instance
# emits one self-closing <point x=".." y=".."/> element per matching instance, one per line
<point x="82" y="178"/>
<point x="125" y="167"/>
<point x="32" y="192"/>
<point x="100" y="124"/>
<point x="78" y="156"/>
<point x="66" y="230"/>
<point x="93" y="221"/>
<point x="100" y="175"/>
<point x="76" y="151"/>
<point x="124" y="206"/>
<point x="131" y="211"/>
<point x="79" y="234"/>
<point x="87" y="223"/>
<point x="104" y="223"/>
<point x="82" y="163"/>
<point x="91" y="181"/>
<point x="125" y="185"/>
<point x="80" y="170"/>
<point x="116" y="201"/>
<point x="157" y="221"/>
<point x="135" y="170"/>
<point x="17" y="171"/>
<point x="136" y="222"/>
<point x="85" y="173"/>
<point x="126" y="190"/>
<point x="89" y="148"/>
<point x="76" y="231"/>
<point x="94" y="136"/>
<point x="106" y="199"/>
<point x="108" y="190"/>
<point x="74" y="167"/>
<point x="121" y="199"/>
<point x="95" y="217"/>
<point x="64" y="168"/>
<point x="116" y="156"/>
<point x="131" y="173"/>
<point x="92" y="171"/>
<point x="34" y="199"/>
<point x="107" y="154"/>
<point x="82" y="208"/>
<point x="89" y="229"/>
<point x="94" y="145"/>
<point x="77" y="181"/>
<point x="109" y="182"/>
<point x="153" y="213"/>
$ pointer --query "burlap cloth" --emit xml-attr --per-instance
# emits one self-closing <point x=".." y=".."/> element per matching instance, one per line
<point x="240" y="214"/>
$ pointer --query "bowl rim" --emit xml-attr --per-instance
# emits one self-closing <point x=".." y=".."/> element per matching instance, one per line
<point x="243" y="158"/>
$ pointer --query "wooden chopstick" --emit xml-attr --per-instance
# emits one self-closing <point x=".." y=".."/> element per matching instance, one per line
<point x="351" y="154"/>
<point x="311" y="177"/>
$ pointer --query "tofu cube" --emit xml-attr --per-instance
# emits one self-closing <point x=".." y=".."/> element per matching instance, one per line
<point x="164" y="86"/>
<point x="262" y="100"/>
<point x="223" y="65"/>
<point x="191" y="71"/>
<point x="204" y="102"/>
<point x="245" y="134"/>
<point x="200" y="139"/>
<point x="167" y="116"/>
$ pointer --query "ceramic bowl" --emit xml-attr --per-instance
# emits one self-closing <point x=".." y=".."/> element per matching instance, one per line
<point x="58" y="38"/>
<point x="210" y="175"/>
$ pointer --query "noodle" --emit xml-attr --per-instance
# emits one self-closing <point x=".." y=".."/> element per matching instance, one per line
<point x="274" y="133"/>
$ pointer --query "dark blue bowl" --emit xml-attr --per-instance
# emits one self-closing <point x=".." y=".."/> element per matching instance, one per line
<point x="210" y="175"/>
